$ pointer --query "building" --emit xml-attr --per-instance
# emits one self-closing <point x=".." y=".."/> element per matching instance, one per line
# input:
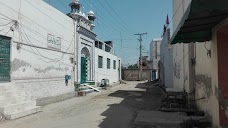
<point x="43" y="56"/>
<point x="85" y="46"/>
<point x="199" y="55"/>
<point x="166" y="61"/>
<point x="155" y="56"/>
<point x="107" y="64"/>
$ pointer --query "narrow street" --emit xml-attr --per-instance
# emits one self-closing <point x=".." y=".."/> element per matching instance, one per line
<point x="114" y="108"/>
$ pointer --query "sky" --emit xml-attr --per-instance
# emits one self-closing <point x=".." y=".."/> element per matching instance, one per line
<point x="119" y="20"/>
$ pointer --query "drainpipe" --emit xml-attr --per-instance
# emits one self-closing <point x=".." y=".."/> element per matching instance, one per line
<point x="183" y="2"/>
<point x="184" y="67"/>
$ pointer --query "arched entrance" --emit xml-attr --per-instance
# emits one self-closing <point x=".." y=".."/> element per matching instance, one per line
<point x="85" y="65"/>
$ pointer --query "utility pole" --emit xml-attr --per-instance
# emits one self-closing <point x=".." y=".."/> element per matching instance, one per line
<point x="140" y="55"/>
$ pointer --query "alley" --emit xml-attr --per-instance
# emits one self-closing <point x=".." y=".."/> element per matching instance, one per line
<point x="114" y="108"/>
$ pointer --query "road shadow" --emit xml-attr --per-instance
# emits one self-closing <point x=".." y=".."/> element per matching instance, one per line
<point x="122" y="115"/>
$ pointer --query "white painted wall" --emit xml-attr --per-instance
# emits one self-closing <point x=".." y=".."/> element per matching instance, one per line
<point x="38" y="71"/>
<point x="104" y="73"/>
<point x="167" y="62"/>
<point x="181" y="52"/>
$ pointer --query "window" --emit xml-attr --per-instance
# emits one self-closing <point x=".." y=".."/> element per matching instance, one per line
<point x="96" y="44"/>
<point x="108" y="63"/>
<point x="100" y="45"/>
<point x="114" y="64"/>
<point x="107" y="48"/>
<point x="100" y="61"/>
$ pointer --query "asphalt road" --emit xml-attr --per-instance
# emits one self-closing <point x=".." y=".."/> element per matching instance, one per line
<point x="114" y="108"/>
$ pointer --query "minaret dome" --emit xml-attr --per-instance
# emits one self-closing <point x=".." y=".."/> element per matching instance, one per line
<point x="91" y="15"/>
<point x="75" y="5"/>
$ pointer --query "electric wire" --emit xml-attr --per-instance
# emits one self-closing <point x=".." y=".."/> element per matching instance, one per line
<point x="113" y="17"/>
<point x="100" y="14"/>
<point x="30" y="42"/>
<point x="33" y="21"/>
<point x="119" y="17"/>
<point x="6" y="23"/>
<point x="49" y="16"/>
<point x="41" y="35"/>
<point x="25" y="17"/>
<point x="105" y="26"/>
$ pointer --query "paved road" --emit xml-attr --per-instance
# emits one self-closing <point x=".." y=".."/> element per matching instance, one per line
<point x="114" y="108"/>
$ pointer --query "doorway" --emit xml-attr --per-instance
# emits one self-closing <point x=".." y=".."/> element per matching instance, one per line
<point x="222" y="48"/>
<point x="5" y="58"/>
<point x="83" y="70"/>
<point x="85" y="65"/>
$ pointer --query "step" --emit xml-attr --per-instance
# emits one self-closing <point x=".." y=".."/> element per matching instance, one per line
<point x="14" y="100"/>
<point x="11" y="94"/>
<point x="17" y="107"/>
<point x="23" y="113"/>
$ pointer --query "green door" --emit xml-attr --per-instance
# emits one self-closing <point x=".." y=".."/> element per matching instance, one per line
<point x="83" y="70"/>
<point x="4" y="58"/>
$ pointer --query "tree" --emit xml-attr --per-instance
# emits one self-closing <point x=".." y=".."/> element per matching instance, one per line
<point x="134" y="66"/>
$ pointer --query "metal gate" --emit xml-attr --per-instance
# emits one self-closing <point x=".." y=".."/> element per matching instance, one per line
<point x="5" y="58"/>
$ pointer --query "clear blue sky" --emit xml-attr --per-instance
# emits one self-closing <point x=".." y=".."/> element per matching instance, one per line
<point x="125" y="17"/>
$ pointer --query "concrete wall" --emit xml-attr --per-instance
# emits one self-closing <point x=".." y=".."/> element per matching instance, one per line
<point x="206" y="78"/>
<point x="166" y="62"/>
<point x="133" y="74"/>
<point x="198" y="77"/>
<point x="36" y="68"/>
<point x="112" y="74"/>
<point x="182" y="53"/>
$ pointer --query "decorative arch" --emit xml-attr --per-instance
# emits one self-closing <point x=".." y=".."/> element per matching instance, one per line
<point x="85" y="65"/>
<point x="85" y="52"/>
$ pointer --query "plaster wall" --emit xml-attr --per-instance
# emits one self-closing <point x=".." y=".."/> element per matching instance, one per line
<point x="166" y="67"/>
<point x="182" y="53"/>
<point x="206" y="80"/>
<point x="202" y="79"/>
<point x="35" y="67"/>
<point x="104" y="73"/>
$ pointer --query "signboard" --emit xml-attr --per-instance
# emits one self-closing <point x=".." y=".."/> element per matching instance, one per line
<point x="53" y="42"/>
<point x="5" y="58"/>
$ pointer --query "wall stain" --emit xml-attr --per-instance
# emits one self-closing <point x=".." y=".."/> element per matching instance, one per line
<point x="206" y="82"/>
<point x="222" y="101"/>
<point x="50" y="68"/>
<point x="17" y="64"/>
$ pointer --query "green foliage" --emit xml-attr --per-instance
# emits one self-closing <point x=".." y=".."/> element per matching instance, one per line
<point x="134" y="66"/>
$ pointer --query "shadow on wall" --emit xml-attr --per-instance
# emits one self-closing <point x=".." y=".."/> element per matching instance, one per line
<point x="122" y="115"/>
